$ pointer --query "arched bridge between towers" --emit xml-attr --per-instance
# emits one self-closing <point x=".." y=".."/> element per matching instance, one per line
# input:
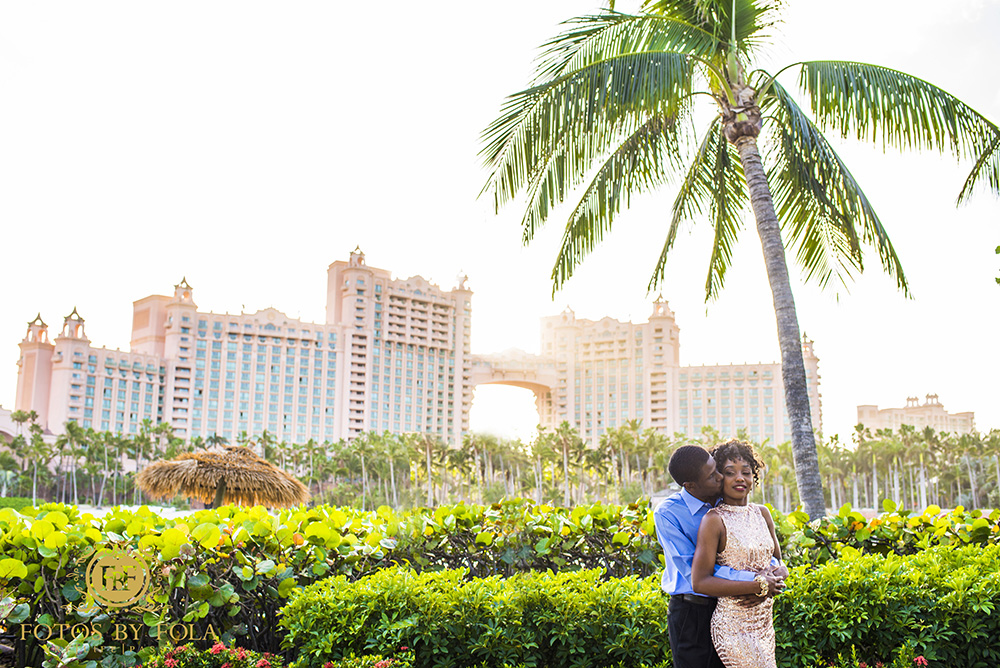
<point x="517" y="368"/>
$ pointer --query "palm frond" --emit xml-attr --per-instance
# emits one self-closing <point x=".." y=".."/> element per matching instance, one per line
<point x="586" y="112"/>
<point x="987" y="167"/>
<point x="591" y="39"/>
<point x="878" y="104"/>
<point x="643" y="161"/>
<point x="820" y="204"/>
<point x="571" y="162"/>
<point x="753" y="18"/>
<point x="714" y="182"/>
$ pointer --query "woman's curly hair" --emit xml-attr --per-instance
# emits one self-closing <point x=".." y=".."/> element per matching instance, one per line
<point x="734" y="450"/>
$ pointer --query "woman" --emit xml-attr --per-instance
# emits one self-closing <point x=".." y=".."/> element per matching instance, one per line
<point x="738" y="534"/>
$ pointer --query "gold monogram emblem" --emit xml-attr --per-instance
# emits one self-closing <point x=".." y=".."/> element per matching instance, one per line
<point x="117" y="579"/>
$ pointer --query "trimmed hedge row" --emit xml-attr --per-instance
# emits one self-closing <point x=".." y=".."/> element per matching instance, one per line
<point x="534" y="619"/>
<point x="943" y="604"/>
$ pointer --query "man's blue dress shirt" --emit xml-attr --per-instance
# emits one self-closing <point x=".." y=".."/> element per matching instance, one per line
<point x="677" y="520"/>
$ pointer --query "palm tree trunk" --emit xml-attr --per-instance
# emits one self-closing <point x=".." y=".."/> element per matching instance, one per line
<point x="566" y="499"/>
<point x="996" y="461"/>
<point x="392" y="476"/>
<point x="364" y="482"/>
<point x="538" y="480"/>
<point x="923" y="484"/>
<point x="430" y="494"/>
<point x="793" y="371"/>
<point x="972" y="481"/>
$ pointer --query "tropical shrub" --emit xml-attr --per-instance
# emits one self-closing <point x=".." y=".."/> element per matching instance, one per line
<point x="225" y="573"/>
<point x="15" y="502"/>
<point x="896" y="531"/>
<point x="400" y="659"/>
<point x="214" y="575"/>
<point x="534" y="619"/>
<point x="217" y="656"/>
<point x="942" y="604"/>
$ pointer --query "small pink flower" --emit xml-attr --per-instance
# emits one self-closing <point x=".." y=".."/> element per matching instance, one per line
<point x="170" y="663"/>
<point x="328" y="664"/>
<point x="217" y="647"/>
<point x="403" y="649"/>
<point x="263" y="664"/>
<point x="226" y="665"/>
<point x="920" y="660"/>
<point x="241" y="653"/>
<point x="862" y="665"/>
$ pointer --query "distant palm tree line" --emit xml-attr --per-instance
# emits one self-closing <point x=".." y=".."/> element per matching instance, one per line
<point x="915" y="468"/>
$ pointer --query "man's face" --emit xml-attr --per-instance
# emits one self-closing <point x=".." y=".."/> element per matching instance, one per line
<point x="708" y="485"/>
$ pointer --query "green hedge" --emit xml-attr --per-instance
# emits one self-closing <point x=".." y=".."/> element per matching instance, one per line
<point x="941" y="604"/>
<point x="15" y="502"/>
<point x="234" y="568"/>
<point x="534" y="619"/>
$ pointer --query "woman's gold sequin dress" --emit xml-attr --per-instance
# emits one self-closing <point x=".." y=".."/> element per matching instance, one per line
<point x="744" y="637"/>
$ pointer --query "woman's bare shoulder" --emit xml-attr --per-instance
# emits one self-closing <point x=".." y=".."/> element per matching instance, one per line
<point x="765" y="512"/>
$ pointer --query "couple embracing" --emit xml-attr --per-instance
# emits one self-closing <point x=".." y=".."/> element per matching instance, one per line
<point x="723" y="562"/>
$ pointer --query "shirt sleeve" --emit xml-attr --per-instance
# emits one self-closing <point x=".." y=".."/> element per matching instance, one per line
<point x="727" y="573"/>
<point x="678" y="550"/>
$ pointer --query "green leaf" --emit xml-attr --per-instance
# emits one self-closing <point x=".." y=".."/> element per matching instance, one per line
<point x="207" y="535"/>
<point x="12" y="568"/>
<point x="19" y="613"/>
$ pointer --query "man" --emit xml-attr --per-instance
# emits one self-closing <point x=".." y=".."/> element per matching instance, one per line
<point x="677" y="520"/>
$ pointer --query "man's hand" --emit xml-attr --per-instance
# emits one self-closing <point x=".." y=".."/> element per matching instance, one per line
<point x="775" y="584"/>
<point x="778" y="571"/>
<point x="749" y="600"/>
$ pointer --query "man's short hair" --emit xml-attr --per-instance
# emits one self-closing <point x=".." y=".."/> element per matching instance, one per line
<point x="686" y="463"/>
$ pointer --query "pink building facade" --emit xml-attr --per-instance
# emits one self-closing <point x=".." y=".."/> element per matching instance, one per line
<point x="599" y="374"/>
<point x="393" y="354"/>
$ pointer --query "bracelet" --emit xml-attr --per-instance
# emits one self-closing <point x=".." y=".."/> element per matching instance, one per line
<point x="762" y="581"/>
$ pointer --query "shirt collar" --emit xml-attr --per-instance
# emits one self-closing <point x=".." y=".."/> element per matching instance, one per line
<point x="693" y="504"/>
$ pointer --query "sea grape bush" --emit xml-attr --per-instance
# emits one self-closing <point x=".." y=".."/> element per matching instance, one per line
<point x="896" y="531"/>
<point x="230" y="570"/>
<point x="220" y="575"/>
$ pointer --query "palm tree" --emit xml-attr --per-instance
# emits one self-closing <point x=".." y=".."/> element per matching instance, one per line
<point x="567" y="440"/>
<point x="40" y="453"/>
<point x="613" y="102"/>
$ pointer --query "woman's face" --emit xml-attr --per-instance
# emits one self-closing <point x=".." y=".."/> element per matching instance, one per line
<point x="737" y="480"/>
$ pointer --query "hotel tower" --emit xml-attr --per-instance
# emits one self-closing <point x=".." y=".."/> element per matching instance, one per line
<point x="393" y="354"/>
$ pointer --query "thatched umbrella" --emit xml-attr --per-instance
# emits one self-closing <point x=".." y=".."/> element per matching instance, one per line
<point x="234" y="475"/>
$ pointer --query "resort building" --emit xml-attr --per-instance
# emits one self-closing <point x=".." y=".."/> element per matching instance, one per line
<point x="393" y="354"/>
<point x="597" y="375"/>
<point x="929" y="414"/>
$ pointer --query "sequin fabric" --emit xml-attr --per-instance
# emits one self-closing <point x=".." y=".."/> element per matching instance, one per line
<point x="744" y="637"/>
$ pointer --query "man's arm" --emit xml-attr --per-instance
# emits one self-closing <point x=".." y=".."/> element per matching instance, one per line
<point x="678" y="549"/>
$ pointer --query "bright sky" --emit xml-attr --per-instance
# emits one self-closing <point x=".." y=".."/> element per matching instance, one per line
<point x="247" y="145"/>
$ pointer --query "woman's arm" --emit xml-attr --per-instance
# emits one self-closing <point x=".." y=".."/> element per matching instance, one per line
<point x="709" y="536"/>
<point x="779" y="569"/>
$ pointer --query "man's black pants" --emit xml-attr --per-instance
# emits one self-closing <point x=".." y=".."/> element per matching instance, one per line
<point x="689" y="623"/>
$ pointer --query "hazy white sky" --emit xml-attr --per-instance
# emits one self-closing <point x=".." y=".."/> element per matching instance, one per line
<point x="246" y="145"/>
